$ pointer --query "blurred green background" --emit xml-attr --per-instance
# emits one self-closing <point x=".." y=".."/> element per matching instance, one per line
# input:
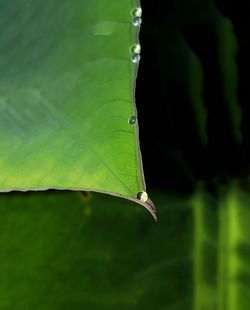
<point x="66" y="250"/>
<point x="61" y="250"/>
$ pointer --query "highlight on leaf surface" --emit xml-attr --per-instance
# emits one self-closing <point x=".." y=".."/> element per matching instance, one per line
<point x="66" y="95"/>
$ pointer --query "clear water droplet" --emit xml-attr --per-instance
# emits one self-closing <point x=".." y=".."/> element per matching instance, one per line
<point x="137" y="12"/>
<point x="135" y="58"/>
<point x="132" y="120"/>
<point x="136" y="21"/>
<point x="136" y="49"/>
<point x="142" y="196"/>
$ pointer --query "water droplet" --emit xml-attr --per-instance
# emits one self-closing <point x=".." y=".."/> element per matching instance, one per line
<point x="136" y="17"/>
<point x="142" y="196"/>
<point x="135" y="58"/>
<point x="136" y="49"/>
<point x="137" y="12"/>
<point x="136" y="21"/>
<point x="132" y="120"/>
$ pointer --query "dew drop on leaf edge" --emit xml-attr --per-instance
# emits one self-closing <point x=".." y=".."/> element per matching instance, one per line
<point x="132" y="120"/>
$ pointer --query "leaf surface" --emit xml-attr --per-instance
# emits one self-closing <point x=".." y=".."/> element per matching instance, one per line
<point x="66" y="95"/>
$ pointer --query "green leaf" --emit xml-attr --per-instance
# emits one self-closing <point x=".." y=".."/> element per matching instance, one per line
<point x="66" y="97"/>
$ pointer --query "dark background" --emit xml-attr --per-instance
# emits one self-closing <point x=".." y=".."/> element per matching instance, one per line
<point x="174" y="154"/>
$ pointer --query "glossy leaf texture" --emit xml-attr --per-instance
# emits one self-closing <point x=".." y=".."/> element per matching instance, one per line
<point x="66" y="96"/>
<point x="61" y="250"/>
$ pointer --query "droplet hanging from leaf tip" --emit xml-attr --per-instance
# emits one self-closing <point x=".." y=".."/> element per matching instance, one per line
<point x="142" y="196"/>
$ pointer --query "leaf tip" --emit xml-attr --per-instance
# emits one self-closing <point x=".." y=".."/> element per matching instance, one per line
<point x="145" y="201"/>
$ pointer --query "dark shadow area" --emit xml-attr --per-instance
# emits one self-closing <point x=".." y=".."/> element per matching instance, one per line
<point x="192" y="92"/>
